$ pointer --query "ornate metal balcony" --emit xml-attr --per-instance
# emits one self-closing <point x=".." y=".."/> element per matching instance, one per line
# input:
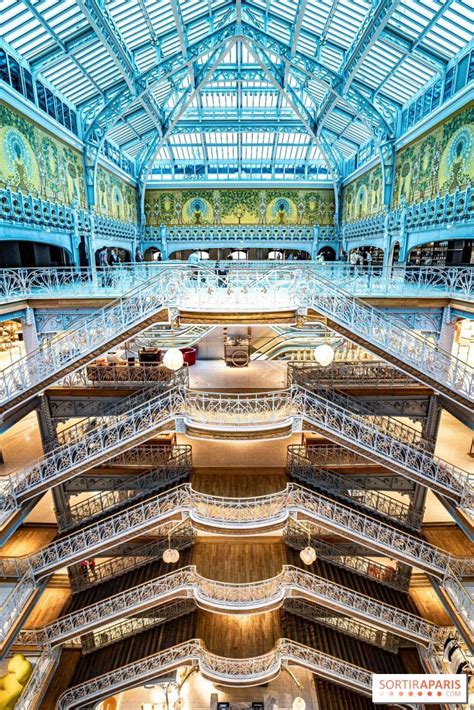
<point x="371" y="373"/>
<point x="301" y="468"/>
<point x="241" y="598"/>
<point x="230" y="413"/>
<point x="348" y="556"/>
<point x="239" y="513"/>
<point x="176" y="469"/>
<point x="398" y="280"/>
<point x="245" y="671"/>
<point x="347" y="625"/>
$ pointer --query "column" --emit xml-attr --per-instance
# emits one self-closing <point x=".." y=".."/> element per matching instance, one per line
<point x="30" y="335"/>
<point x="448" y="329"/>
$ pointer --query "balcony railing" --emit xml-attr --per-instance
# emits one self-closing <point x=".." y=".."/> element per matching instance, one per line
<point x="347" y="625"/>
<point x="399" y="280"/>
<point x="225" y="597"/>
<point x="36" y="211"/>
<point x="176" y="469"/>
<point x="348" y="556"/>
<point x="228" y="412"/>
<point x="301" y="468"/>
<point x="241" y="671"/>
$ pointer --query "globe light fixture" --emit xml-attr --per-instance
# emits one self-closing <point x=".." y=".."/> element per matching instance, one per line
<point x="308" y="555"/>
<point x="324" y="354"/>
<point x="170" y="555"/>
<point x="173" y="359"/>
<point x="298" y="704"/>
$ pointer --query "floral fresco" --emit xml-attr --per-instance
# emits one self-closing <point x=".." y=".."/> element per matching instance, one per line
<point x="239" y="206"/>
<point x="115" y="198"/>
<point x="363" y="196"/>
<point x="440" y="161"/>
<point x="33" y="160"/>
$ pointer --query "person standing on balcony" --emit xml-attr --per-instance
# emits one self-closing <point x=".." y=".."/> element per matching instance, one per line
<point x="103" y="264"/>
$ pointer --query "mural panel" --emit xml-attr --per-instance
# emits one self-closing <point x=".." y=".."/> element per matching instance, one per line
<point x="33" y="160"/>
<point x="363" y="197"/>
<point x="115" y="198"/>
<point x="440" y="161"/>
<point x="239" y="206"/>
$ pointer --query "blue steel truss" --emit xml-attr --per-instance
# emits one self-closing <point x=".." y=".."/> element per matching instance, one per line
<point x="228" y="87"/>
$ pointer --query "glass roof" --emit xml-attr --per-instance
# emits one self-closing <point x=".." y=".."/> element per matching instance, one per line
<point x="237" y="87"/>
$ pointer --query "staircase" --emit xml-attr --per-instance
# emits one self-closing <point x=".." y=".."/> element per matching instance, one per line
<point x="174" y="471"/>
<point x="342" y="427"/>
<point x="373" y="502"/>
<point x="382" y="335"/>
<point x="237" y="598"/>
<point x="94" y="334"/>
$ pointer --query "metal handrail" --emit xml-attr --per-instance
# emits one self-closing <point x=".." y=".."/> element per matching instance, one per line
<point x="250" y="671"/>
<point x="230" y="597"/>
<point x="301" y="468"/>
<point x="228" y="411"/>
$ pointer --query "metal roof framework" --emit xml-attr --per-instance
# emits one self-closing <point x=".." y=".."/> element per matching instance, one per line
<point x="236" y="84"/>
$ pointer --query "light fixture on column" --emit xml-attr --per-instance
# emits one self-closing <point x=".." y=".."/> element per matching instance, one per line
<point x="324" y="354"/>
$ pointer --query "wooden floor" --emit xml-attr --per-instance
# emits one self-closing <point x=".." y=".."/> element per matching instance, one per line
<point x="239" y="483"/>
<point x="427" y="601"/>
<point x="48" y="608"/>
<point x="29" y="539"/>
<point x="237" y="560"/>
<point x="239" y="636"/>
<point x="450" y="538"/>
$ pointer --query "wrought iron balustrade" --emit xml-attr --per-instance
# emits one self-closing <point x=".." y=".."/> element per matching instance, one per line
<point x="397" y="280"/>
<point x="235" y="233"/>
<point x="347" y="556"/>
<point x="92" y="335"/>
<point x="380" y="331"/>
<point x="15" y="603"/>
<point x="174" y="470"/>
<point x="341" y="374"/>
<point x="98" y="444"/>
<point x="449" y="209"/>
<point x="43" y="669"/>
<point x="347" y="625"/>
<point x="249" y="671"/>
<point x="135" y="556"/>
<point x="98" y="376"/>
<point x="303" y="470"/>
<point x="125" y="629"/>
<point x="92" y="446"/>
<point x="379" y="446"/>
<point x="239" y="513"/>
<point x="365" y="413"/>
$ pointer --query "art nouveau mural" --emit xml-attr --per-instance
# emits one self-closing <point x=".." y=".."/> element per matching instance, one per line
<point x="115" y="198"/>
<point x="438" y="162"/>
<point x="239" y="206"/>
<point x="33" y="160"/>
<point x="363" y="196"/>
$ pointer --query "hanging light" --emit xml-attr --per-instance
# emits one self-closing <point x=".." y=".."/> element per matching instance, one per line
<point x="299" y="704"/>
<point x="308" y="555"/>
<point x="170" y="555"/>
<point x="324" y="354"/>
<point x="173" y="359"/>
